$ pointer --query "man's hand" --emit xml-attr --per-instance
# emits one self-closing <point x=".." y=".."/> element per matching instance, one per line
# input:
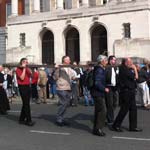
<point x="106" y="90"/>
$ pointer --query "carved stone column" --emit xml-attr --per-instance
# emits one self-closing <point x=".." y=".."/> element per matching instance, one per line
<point x="60" y="4"/>
<point x="36" y="7"/>
<point x="52" y="5"/>
<point x="75" y="3"/>
<point x="14" y="11"/>
<point x="85" y="3"/>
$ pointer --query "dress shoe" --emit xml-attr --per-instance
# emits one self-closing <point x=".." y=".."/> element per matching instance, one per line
<point x="135" y="130"/>
<point x="66" y="123"/>
<point x="30" y="123"/>
<point x="22" y="122"/>
<point x="63" y="123"/>
<point x="59" y="123"/>
<point x="3" y="113"/>
<point x="117" y="129"/>
<point x="98" y="132"/>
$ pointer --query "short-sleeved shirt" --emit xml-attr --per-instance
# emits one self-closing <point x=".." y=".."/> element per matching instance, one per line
<point x="27" y="78"/>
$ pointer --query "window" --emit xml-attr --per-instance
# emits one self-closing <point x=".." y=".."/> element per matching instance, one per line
<point x="80" y="1"/>
<point x="126" y="28"/>
<point x="8" y="9"/>
<point x="41" y="6"/>
<point x="22" y="39"/>
<point x="105" y="1"/>
<point x="44" y="5"/>
<point x="67" y="4"/>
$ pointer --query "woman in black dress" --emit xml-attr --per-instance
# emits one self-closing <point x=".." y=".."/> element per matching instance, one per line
<point x="4" y="103"/>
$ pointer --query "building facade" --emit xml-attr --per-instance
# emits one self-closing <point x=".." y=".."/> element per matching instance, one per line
<point x="45" y="30"/>
<point x="2" y="31"/>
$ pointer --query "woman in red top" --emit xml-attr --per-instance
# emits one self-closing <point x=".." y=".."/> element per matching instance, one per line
<point x="35" y="77"/>
<point x="23" y="78"/>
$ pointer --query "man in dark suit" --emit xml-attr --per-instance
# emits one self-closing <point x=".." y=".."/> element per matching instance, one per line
<point x="111" y="82"/>
<point x="127" y="83"/>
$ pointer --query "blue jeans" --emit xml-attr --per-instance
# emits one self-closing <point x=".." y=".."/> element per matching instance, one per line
<point x="87" y="97"/>
<point x="53" y="89"/>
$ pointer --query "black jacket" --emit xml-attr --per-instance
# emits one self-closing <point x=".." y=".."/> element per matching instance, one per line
<point x="99" y="82"/>
<point x="108" y="74"/>
<point x="126" y="78"/>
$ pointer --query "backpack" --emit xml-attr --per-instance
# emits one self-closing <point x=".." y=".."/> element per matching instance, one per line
<point x="90" y="80"/>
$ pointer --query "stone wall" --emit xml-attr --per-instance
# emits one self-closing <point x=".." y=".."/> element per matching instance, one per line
<point x="132" y="48"/>
<point x="2" y="45"/>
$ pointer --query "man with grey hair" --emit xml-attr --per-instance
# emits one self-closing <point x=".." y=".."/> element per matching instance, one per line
<point x="98" y="93"/>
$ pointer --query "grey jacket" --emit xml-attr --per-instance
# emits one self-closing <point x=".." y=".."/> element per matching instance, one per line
<point x="63" y="77"/>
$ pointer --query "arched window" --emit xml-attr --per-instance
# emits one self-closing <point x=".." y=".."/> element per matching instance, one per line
<point x="98" y="41"/>
<point x="48" y="48"/>
<point x="72" y="44"/>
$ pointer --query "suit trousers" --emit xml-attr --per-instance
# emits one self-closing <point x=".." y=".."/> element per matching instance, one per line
<point x="128" y="104"/>
<point x="111" y="104"/>
<point x="100" y="112"/>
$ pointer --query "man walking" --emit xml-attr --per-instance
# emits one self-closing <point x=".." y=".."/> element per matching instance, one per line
<point x="127" y="82"/>
<point x="98" y="92"/>
<point x="63" y="76"/>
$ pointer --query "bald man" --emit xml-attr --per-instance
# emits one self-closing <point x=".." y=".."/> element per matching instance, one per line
<point x="127" y="82"/>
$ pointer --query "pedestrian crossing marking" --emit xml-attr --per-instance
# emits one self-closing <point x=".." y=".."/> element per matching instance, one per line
<point x="46" y="132"/>
<point x="131" y="138"/>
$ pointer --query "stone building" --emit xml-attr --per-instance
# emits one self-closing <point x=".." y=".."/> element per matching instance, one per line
<point x="45" y="30"/>
<point x="3" y="32"/>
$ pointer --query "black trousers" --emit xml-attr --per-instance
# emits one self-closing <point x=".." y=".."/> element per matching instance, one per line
<point x="100" y="112"/>
<point x="128" y="104"/>
<point x="25" y="93"/>
<point x="34" y="91"/>
<point x="111" y="103"/>
<point x="4" y="102"/>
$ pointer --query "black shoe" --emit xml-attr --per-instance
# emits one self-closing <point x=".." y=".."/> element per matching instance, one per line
<point x="30" y="123"/>
<point x="98" y="132"/>
<point x="59" y="124"/>
<point x="135" y="130"/>
<point x="22" y="122"/>
<point x="66" y="123"/>
<point x="74" y="105"/>
<point x="3" y="113"/>
<point x="117" y="129"/>
<point x="38" y="102"/>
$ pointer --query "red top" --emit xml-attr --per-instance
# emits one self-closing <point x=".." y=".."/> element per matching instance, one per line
<point x="35" y="77"/>
<point x="26" y="80"/>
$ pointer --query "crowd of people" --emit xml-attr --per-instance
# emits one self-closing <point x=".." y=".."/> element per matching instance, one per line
<point x="104" y="85"/>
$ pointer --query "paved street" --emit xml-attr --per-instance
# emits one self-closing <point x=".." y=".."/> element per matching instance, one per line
<point x="45" y="135"/>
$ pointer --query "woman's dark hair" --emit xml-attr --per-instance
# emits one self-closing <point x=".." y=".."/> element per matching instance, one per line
<point x="21" y="60"/>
